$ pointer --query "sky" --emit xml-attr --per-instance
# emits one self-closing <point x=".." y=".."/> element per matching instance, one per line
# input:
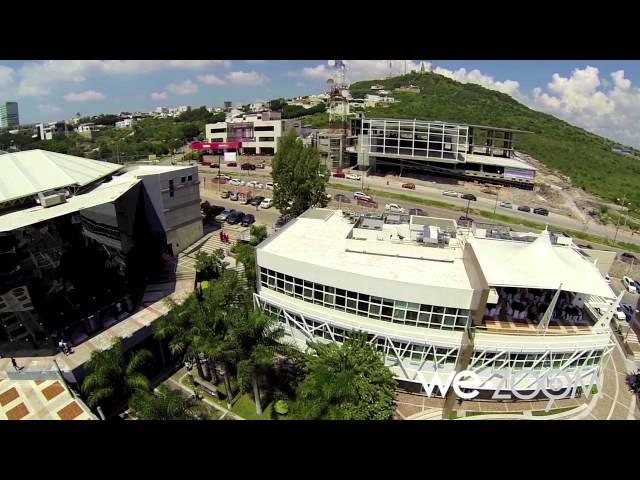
<point x="600" y="96"/>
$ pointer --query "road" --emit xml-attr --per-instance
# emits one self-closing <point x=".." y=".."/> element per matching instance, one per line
<point x="489" y="203"/>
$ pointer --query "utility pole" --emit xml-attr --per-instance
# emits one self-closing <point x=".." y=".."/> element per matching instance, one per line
<point x="468" y="204"/>
<point x="622" y="202"/>
<point x="495" y="207"/>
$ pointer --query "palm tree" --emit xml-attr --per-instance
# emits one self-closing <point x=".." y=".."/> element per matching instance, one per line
<point x="633" y="382"/>
<point x="164" y="404"/>
<point x="112" y="377"/>
<point x="257" y="339"/>
<point x="345" y="382"/>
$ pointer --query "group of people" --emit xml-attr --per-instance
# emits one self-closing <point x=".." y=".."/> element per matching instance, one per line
<point x="531" y="304"/>
<point x="64" y="347"/>
<point x="224" y="238"/>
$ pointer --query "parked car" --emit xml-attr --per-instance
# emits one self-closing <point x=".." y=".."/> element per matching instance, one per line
<point x="362" y="196"/>
<point x="268" y="185"/>
<point x="224" y="215"/>
<point x="232" y="164"/>
<point x="619" y="313"/>
<point x="247" y="220"/>
<point x="266" y="203"/>
<point x="541" y="211"/>
<point x="339" y="175"/>
<point x="585" y="245"/>
<point x="341" y="198"/>
<point x="248" y="166"/>
<point x="628" y="310"/>
<point x="236" y="181"/>
<point x="281" y="222"/>
<point x="234" y="196"/>
<point x="506" y="205"/>
<point x="235" y="217"/>
<point x="607" y="279"/>
<point x="410" y="186"/>
<point x="395" y="208"/>
<point x="450" y="193"/>
<point x="214" y="165"/>
<point x="353" y="176"/>
<point x="255" y="201"/>
<point x="469" y="196"/>
<point x="628" y="258"/>
<point x="418" y="211"/>
<point x="225" y="194"/>
<point x="255" y="184"/>
<point x="524" y="208"/>
<point x="465" y="221"/>
<point x="260" y="165"/>
<point x="629" y="284"/>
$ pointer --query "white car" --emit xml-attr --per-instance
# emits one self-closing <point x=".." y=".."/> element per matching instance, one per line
<point x="353" y="176"/>
<point x="236" y="181"/>
<point x="255" y="184"/>
<point x="607" y="279"/>
<point x="395" y="208"/>
<point x="268" y="186"/>
<point x="266" y="203"/>
<point x="629" y="284"/>
<point x="450" y="193"/>
<point x="619" y="314"/>
<point x="361" y="195"/>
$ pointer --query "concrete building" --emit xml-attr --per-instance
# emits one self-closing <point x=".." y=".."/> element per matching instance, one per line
<point x="49" y="130"/>
<point x="253" y="133"/>
<point x="436" y="299"/>
<point x="126" y="123"/>
<point x="88" y="130"/>
<point x="9" y="116"/>
<point x="78" y="241"/>
<point x="442" y="148"/>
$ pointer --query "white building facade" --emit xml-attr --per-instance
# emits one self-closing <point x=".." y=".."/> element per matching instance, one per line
<point x="425" y="294"/>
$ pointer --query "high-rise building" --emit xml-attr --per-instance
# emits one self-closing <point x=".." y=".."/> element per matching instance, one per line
<point x="9" y="115"/>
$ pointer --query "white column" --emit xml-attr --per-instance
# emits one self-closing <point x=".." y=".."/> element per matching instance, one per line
<point x="544" y="322"/>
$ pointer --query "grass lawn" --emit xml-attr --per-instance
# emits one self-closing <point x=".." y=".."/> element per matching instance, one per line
<point x="244" y="406"/>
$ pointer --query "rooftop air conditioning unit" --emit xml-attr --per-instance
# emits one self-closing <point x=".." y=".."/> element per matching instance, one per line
<point x="51" y="198"/>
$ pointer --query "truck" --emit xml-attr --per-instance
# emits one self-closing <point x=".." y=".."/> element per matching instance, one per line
<point x="394" y="208"/>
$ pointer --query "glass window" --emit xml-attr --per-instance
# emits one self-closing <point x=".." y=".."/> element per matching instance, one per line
<point x="374" y="309"/>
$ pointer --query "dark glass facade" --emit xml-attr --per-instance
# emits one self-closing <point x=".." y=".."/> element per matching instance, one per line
<point x="74" y="275"/>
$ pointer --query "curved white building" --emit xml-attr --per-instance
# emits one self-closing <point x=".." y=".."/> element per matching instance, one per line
<point x="434" y="298"/>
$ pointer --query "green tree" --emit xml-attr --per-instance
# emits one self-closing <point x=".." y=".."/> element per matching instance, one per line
<point x="258" y="234"/>
<point x="165" y="404"/>
<point x="114" y="376"/>
<point x="345" y="382"/>
<point x="209" y="265"/>
<point x="633" y="382"/>
<point x="246" y="254"/>
<point x="299" y="178"/>
<point x="257" y="338"/>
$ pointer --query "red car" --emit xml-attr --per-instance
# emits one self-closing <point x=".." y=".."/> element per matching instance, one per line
<point x="232" y="164"/>
<point x="339" y="175"/>
<point x="410" y="186"/>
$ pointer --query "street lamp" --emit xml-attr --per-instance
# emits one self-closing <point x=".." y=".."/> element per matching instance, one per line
<point x="468" y="203"/>
<point x="623" y="202"/>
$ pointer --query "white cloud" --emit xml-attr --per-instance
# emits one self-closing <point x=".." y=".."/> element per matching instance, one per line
<point x="37" y="78"/>
<point x="210" y="79"/>
<point x="6" y="76"/>
<point x="184" y="88"/>
<point x="87" y="96"/>
<point x="247" y="78"/>
<point x="584" y="99"/>
<point x="510" y="87"/>
<point x="159" y="95"/>
<point x="49" y="109"/>
<point x="319" y="71"/>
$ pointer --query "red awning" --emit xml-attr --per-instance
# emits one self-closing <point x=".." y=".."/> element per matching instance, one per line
<point x="215" y="145"/>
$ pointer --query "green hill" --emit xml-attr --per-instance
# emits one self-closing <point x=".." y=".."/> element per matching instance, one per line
<point x="581" y="155"/>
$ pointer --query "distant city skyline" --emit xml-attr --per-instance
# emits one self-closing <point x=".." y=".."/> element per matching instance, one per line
<point x="600" y="96"/>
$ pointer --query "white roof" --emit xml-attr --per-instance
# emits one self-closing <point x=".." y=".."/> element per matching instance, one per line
<point x="23" y="174"/>
<point x="107" y="192"/>
<point x="538" y="265"/>
<point x="498" y="161"/>
<point x="315" y="247"/>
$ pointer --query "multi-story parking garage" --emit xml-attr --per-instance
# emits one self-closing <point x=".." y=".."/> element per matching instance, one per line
<point x="471" y="152"/>
<point x="436" y="299"/>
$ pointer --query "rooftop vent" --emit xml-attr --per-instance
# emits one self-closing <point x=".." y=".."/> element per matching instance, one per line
<point x="52" y="197"/>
